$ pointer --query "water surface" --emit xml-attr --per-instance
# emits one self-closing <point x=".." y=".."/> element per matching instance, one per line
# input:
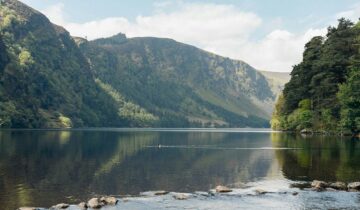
<point x="44" y="167"/>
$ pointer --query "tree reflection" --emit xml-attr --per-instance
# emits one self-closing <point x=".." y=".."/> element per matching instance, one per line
<point x="318" y="157"/>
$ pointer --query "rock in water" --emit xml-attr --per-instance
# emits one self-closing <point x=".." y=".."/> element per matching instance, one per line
<point x="338" y="186"/>
<point x="260" y="192"/>
<point x="27" y="208"/>
<point x="222" y="189"/>
<point x="61" y="206"/>
<point x="109" y="200"/>
<point x="94" y="203"/>
<point x="181" y="196"/>
<point x="306" y="131"/>
<point x="82" y="205"/>
<point x="319" y="184"/>
<point x="161" y="192"/>
<point x="354" y="186"/>
<point x="330" y="189"/>
<point x="300" y="185"/>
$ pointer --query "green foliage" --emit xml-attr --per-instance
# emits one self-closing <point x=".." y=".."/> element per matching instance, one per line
<point x="25" y="58"/>
<point x="349" y="96"/>
<point x="299" y="119"/>
<point x="129" y="111"/>
<point x="305" y="104"/>
<point x="8" y="17"/>
<point x="323" y="92"/>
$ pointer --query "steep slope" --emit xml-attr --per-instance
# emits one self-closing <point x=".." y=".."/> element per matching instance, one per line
<point x="324" y="90"/>
<point x="45" y="81"/>
<point x="277" y="80"/>
<point x="180" y="84"/>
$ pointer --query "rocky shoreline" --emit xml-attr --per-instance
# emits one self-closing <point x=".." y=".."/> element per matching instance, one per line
<point x="108" y="201"/>
<point x="328" y="133"/>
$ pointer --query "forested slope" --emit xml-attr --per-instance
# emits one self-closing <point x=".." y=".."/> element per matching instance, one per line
<point x="45" y="81"/>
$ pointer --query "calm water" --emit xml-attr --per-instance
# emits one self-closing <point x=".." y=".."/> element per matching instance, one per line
<point x="41" y="168"/>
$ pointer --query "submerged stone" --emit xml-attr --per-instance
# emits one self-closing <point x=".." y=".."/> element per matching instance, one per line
<point x="354" y="186"/>
<point x="94" y="203"/>
<point x="61" y="206"/>
<point x="319" y="184"/>
<point x="82" y="205"/>
<point x="260" y="192"/>
<point x="161" y="192"/>
<point x="300" y="185"/>
<point x="109" y="200"/>
<point x="222" y="189"/>
<point x="180" y="196"/>
<point x="338" y="186"/>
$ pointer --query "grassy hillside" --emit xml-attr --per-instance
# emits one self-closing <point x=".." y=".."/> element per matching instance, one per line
<point x="174" y="80"/>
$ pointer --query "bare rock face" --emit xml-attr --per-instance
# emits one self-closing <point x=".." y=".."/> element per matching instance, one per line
<point x="94" y="203"/>
<point x="319" y="185"/>
<point x="109" y="200"/>
<point x="354" y="186"/>
<point x="222" y="189"/>
<point x="61" y="206"/>
<point x="338" y="186"/>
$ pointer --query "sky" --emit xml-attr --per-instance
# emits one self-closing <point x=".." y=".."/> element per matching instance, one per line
<point x="268" y="34"/>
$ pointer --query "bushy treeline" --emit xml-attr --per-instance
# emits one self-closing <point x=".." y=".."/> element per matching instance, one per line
<point x="324" y="91"/>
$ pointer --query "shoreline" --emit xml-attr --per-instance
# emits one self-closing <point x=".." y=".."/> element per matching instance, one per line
<point x="265" y="192"/>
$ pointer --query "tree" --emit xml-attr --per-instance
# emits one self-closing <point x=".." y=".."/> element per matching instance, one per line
<point x="324" y="87"/>
<point x="349" y="96"/>
<point x="25" y="58"/>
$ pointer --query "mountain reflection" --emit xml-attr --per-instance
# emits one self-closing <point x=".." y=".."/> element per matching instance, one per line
<point x="45" y="167"/>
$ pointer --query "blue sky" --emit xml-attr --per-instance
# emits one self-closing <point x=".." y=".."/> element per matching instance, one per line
<point x="268" y="34"/>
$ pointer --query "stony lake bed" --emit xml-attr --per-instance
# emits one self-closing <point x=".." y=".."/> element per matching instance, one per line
<point x="260" y="195"/>
<point x="177" y="169"/>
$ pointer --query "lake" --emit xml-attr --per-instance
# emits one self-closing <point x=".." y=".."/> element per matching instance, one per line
<point x="45" y="167"/>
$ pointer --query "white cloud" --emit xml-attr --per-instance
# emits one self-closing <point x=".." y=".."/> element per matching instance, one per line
<point x="352" y="14"/>
<point x="56" y="13"/>
<point x="222" y="29"/>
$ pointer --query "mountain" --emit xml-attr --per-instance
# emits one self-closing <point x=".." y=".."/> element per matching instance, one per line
<point x="45" y="80"/>
<point x="324" y="91"/>
<point x="52" y="80"/>
<point x="277" y="81"/>
<point x="179" y="83"/>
